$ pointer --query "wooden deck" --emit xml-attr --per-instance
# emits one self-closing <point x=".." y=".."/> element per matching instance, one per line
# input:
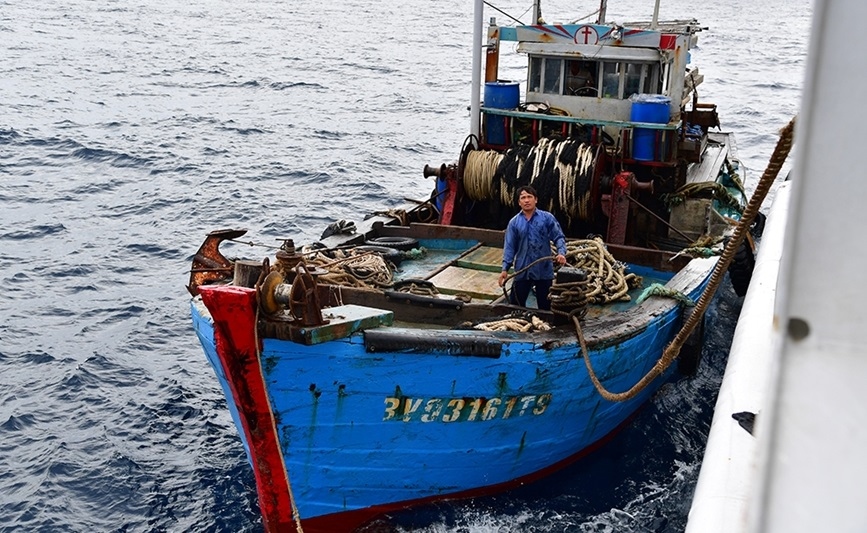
<point x="474" y="273"/>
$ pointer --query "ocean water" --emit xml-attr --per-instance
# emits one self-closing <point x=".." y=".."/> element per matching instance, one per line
<point x="128" y="130"/>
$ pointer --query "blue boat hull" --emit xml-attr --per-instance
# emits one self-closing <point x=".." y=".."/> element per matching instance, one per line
<point x="361" y="431"/>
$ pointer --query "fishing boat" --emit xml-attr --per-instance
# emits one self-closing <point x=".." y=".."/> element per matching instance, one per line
<point x="384" y="366"/>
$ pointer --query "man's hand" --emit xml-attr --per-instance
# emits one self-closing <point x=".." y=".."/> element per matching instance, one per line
<point x="503" y="275"/>
<point x="560" y="259"/>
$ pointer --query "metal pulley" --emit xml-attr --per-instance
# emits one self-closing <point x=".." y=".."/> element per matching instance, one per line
<point x="300" y="297"/>
<point x="274" y="294"/>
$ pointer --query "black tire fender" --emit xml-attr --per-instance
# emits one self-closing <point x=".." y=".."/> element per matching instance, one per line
<point x="741" y="268"/>
<point x="398" y="243"/>
<point x="387" y="253"/>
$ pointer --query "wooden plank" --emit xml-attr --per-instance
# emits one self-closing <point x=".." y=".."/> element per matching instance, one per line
<point x="487" y="258"/>
<point x="476" y="283"/>
<point x="437" y="231"/>
<point x="708" y="169"/>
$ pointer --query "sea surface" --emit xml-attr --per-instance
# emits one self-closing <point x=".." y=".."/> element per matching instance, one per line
<point x="128" y="130"/>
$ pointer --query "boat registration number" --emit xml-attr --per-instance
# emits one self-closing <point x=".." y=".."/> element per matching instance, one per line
<point x="464" y="409"/>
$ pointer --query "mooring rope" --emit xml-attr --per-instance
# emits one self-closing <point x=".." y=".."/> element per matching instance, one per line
<point x="607" y="280"/>
<point x="569" y="299"/>
<point x="528" y="267"/>
<point x="421" y="289"/>
<point x="781" y="152"/>
<point x="658" y="289"/>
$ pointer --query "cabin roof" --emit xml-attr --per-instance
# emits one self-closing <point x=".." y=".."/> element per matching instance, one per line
<point x="633" y="34"/>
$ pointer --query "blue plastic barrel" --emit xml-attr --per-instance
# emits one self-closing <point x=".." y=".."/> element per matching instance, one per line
<point x="652" y="108"/>
<point x="499" y="95"/>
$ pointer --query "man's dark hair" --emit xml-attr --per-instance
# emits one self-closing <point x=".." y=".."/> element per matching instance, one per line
<point x="528" y="189"/>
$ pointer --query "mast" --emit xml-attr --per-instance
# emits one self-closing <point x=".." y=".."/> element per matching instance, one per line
<point x="475" y="106"/>
<point x="603" y="7"/>
<point x="537" y="12"/>
<point x="655" y="22"/>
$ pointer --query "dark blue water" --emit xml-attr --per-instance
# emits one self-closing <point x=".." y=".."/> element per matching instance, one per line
<point x="128" y="130"/>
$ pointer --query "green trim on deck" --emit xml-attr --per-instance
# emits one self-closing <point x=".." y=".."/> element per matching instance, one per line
<point x="671" y="126"/>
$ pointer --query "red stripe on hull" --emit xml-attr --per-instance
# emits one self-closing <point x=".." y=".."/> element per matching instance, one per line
<point x="234" y="312"/>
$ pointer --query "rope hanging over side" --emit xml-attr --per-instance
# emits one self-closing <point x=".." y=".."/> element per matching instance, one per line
<point x="781" y="152"/>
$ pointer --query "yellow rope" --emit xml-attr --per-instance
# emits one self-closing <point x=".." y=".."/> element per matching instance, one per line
<point x="479" y="173"/>
<point x="607" y="280"/>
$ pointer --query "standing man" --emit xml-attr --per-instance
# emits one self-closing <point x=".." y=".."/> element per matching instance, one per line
<point x="528" y="238"/>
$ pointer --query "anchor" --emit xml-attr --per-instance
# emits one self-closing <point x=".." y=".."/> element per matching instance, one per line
<point x="209" y="265"/>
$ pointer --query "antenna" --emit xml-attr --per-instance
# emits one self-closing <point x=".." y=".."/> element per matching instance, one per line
<point x="537" y="11"/>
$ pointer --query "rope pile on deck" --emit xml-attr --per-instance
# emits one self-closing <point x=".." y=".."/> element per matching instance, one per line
<point x="517" y="321"/>
<point x="521" y="325"/>
<point x="366" y="270"/>
<point x="607" y="280"/>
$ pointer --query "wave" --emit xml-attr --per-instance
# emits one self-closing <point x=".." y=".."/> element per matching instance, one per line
<point x="38" y="231"/>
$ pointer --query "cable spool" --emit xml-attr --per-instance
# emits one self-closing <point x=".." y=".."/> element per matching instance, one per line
<point x="564" y="173"/>
<point x="269" y="301"/>
<point x="471" y="143"/>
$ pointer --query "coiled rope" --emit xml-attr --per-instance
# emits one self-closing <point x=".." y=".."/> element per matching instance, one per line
<point x="365" y="270"/>
<point x="607" y="280"/>
<point x="560" y="171"/>
<point x="781" y="152"/>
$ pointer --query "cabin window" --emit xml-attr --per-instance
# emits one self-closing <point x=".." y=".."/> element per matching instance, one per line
<point x="535" y="74"/>
<point x="551" y="75"/>
<point x="610" y="80"/>
<point x="582" y="78"/>
<point x="622" y="80"/>
<point x="637" y="80"/>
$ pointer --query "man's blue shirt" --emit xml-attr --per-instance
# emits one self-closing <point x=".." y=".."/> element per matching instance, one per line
<point x="528" y="240"/>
